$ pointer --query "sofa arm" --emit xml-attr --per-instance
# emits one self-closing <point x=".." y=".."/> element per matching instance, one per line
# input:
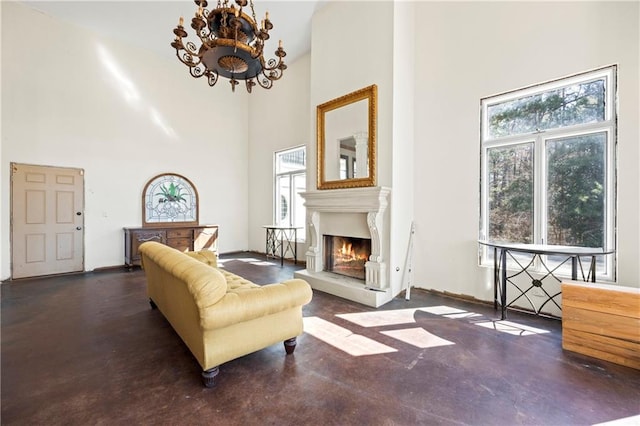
<point x="205" y="256"/>
<point x="256" y="302"/>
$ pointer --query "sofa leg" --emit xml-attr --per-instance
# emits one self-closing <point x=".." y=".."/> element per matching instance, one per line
<point x="153" y="304"/>
<point x="290" y="345"/>
<point x="209" y="375"/>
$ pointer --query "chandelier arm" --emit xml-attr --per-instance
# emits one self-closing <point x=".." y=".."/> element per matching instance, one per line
<point x="212" y="77"/>
<point x="264" y="81"/>
<point x="204" y="34"/>
<point x="191" y="48"/>
<point x="198" y="71"/>
<point x="188" y="58"/>
<point x="272" y="64"/>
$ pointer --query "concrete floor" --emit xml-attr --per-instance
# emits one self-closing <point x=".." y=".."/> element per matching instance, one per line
<point x="87" y="349"/>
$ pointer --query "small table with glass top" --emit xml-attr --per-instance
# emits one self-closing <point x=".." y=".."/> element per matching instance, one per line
<point x="282" y="240"/>
<point x="568" y="253"/>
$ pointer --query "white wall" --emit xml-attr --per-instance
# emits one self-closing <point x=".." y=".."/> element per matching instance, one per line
<point x="351" y="47"/>
<point x="71" y="98"/>
<point x="279" y="118"/>
<point x="466" y="51"/>
<point x="403" y="152"/>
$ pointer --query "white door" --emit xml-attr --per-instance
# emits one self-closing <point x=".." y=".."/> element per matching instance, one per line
<point x="47" y="220"/>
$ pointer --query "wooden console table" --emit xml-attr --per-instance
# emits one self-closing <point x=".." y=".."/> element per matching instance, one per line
<point x="183" y="238"/>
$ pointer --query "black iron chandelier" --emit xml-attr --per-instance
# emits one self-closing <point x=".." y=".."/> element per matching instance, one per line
<point x="231" y="45"/>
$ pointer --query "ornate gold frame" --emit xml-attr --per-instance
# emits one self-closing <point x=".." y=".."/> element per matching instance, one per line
<point x="369" y="93"/>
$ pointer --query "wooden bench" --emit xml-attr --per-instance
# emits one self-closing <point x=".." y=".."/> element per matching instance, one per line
<point x="602" y="321"/>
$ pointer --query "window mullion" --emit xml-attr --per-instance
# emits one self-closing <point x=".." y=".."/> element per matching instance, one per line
<point x="540" y="191"/>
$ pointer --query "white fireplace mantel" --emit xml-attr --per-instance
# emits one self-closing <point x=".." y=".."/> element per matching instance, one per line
<point x="371" y="203"/>
<point x="355" y="200"/>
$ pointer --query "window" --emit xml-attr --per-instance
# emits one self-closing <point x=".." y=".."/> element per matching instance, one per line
<point x="548" y="165"/>
<point x="290" y="180"/>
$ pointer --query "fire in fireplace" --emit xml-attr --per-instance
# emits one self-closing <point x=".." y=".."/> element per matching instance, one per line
<point x="346" y="255"/>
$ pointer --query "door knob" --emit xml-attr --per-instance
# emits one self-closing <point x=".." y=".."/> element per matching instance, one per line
<point x="78" y="228"/>
<point x="79" y="213"/>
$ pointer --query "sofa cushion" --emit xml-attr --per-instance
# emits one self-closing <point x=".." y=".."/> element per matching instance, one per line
<point x="236" y="283"/>
<point x="247" y="303"/>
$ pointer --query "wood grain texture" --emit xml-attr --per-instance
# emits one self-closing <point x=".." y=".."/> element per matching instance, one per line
<point x="602" y="321"/>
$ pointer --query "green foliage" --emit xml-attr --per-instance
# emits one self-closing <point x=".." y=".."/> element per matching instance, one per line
<point x="583" y="103"/>
<point x="173" y="193"/>
<point x="511" y="193"/>
<point x="576" y="191"/>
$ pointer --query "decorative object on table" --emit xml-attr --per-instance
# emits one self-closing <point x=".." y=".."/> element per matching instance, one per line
<point x="231" y="45"/>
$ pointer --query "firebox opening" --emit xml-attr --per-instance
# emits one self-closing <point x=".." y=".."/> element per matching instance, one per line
<point x="346" y="255"/>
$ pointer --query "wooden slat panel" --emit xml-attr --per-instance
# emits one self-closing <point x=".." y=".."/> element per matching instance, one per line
<point x="602" y="347"/>
<point x="604" y="324"/>
<point x="618" y="300"/>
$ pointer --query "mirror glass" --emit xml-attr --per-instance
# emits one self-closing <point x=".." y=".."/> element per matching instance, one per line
<point x="346" y="140"/>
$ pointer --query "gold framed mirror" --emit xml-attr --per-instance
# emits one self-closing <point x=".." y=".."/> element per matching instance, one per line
<point x="346" y="140"/>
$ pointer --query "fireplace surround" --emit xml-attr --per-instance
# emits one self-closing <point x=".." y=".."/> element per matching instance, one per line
<point x="352" y="212"/>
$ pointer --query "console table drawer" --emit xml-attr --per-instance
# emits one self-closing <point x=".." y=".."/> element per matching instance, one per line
<point x="182" y="244"/>
<point x="179" y="233"/>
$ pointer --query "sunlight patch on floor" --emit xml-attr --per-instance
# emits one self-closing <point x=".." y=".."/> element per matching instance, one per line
<point x="443" y="310"/>
<point x="626" y="421"/>
<point x="343" y="339"/>
<point x="250" y="260"/>
<point x="462" y="315"/>
<point x="418" y="337"/>
<point x="380" y="318"/>
<point x="511" y="328"/>
<point x="403" y="316"/>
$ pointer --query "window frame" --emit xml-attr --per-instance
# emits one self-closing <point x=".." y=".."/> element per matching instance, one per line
<point x="539" y="139"/>
<point x="291" y="175"/>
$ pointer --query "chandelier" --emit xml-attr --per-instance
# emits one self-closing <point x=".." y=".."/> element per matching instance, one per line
<point x="231" y="45"/>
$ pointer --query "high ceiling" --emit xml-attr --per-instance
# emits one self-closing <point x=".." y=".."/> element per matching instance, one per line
<point x="149" y="24"/>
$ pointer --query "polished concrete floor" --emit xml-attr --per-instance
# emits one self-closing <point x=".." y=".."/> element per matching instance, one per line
<point x="88" y="350"/>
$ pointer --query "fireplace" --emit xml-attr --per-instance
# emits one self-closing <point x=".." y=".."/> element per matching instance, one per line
<point x="358" y="213"/>
<point x="346" y="255"/>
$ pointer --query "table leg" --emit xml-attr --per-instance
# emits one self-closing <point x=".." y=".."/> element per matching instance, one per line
<point x="281" y="248"/>
<point x="503" y="296"/>
<point x="593" y="269"/>
<point x="574" y="268"/>
<point x="295" y="246"/>
<point x="495" y="279"/>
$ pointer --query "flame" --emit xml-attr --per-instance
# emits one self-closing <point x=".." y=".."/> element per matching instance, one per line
<point x="346" y="253"/>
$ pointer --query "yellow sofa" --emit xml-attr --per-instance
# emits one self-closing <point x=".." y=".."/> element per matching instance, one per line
<point x="220" y="316"/>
